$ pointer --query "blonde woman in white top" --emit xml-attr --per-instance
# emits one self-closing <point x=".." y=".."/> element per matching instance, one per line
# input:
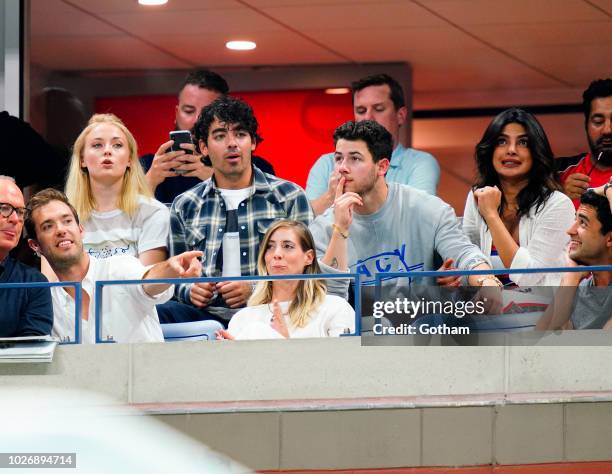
<point x="290" y="308"/>
<point x="107" y="186"/>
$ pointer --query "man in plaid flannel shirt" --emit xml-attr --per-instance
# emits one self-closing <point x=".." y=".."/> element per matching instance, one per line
<point x="227" y="215"/>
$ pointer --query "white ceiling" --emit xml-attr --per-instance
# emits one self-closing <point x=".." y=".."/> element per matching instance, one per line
<point x="454" y="46"/>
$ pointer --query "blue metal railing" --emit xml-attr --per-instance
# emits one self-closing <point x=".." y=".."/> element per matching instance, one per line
<point x="502" y="271"/>
<point x="379" y="277"/>
<point x="319" y="276"/>
<point x="77" y="301"/>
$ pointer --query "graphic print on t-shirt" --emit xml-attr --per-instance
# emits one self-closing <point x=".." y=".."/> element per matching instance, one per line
<point x="384" y="262"/>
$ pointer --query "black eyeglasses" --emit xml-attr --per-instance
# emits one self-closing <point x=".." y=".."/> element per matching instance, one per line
<point x="7" y="209"/>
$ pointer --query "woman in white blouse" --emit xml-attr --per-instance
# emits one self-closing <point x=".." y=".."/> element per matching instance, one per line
<point x="515" y="211"/>
<point x="290" y="308"/>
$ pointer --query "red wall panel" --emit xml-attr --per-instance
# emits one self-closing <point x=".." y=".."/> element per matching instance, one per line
<point x="297" y="126"/>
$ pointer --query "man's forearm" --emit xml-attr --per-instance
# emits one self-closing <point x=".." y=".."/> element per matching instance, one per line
<point x="336" y="253"/>
<point x="322" y="203"/>
<point x="559" y="311"/>
<point x="158" y="271"/>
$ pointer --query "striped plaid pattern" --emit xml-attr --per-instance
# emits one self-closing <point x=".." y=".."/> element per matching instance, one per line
<point x="197" y="220"/>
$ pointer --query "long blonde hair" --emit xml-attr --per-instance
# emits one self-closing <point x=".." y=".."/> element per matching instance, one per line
<point x="78" y="186"/>
<point x="309" y="293"/>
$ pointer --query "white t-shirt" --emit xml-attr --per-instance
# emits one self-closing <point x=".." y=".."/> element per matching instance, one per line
<point x="231" y="240"/>
<point x="129" y="314"/>
<point x="114" y="232"/>
<point x="330" y="319"/>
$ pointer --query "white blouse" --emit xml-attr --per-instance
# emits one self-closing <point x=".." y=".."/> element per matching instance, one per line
<point x="333" y="317"/>
<point x="542" y="238"/>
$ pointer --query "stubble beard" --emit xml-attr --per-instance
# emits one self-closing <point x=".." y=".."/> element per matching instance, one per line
<point x="234" y="172"/>
<point x="367" y="188"/>
<point x="63" y="263"/>
<point x="585" y="260"/>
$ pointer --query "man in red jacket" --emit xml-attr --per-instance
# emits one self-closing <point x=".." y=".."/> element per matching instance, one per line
<point x="589" y="170"/>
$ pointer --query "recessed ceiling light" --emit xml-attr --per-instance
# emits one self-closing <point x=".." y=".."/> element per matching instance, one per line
<point x="240" y="45"/>
<point x="337" y="90"/>
<point x="152" y="2"/>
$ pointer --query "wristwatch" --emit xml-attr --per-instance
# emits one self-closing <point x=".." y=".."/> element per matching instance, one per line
<point x="607" y="185"/>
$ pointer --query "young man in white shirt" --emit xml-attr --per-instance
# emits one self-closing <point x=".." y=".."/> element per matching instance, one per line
<point x="129" y="313"/>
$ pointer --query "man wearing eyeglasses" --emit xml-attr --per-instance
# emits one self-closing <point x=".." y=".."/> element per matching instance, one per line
<point x="23" y="311"/>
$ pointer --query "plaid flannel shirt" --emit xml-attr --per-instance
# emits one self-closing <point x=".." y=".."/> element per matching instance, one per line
<point x="197" y="221"/>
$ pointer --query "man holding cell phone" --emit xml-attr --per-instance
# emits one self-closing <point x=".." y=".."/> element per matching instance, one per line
<point x="180" y="137"/>
<point x="593" y="169"/>
<point x="178" y="165"/>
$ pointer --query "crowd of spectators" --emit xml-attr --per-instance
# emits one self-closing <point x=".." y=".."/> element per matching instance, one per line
<point x="370" y="207"/>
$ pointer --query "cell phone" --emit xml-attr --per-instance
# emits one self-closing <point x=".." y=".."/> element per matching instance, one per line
<point x="180" y="136"/>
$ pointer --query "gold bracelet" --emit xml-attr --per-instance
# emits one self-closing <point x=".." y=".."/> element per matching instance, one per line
<point x="343" y="234"/>
<point x="481" y="280"/>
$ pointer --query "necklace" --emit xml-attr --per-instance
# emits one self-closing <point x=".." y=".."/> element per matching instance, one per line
<point x="271" y="308"/>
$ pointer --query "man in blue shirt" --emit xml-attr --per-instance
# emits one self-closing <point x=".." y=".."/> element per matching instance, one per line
<point x="24" y="311"/>
<point x="379" y="98"/>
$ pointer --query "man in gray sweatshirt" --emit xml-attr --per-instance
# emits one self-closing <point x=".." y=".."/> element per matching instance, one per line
<point x="380" y="227"/>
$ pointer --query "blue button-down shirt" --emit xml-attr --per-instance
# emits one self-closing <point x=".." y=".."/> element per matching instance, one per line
<point x="408" y="166"/>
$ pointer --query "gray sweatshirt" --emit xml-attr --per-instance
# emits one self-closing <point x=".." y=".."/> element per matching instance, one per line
<point x="401" y="236"/>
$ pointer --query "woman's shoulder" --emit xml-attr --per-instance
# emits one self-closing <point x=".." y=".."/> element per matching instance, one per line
<point x="558" y="196"/>
<point x="557" y="200"/>
<point x="147" y="201"/>
<point x="558" y="208"/>
<point x="148" y="206"/>
<point x="335" y="302"/>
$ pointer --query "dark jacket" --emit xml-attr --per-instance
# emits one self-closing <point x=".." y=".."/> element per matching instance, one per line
<point x="24" y="311"/>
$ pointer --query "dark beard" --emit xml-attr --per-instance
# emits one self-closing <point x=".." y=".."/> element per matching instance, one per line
<point x="606" y="155"/>
<point x="606" y="158"/>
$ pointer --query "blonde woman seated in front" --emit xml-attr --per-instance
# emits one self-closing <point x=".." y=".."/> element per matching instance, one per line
<point x="290" y="308"/>
<point x="107" y="186"/>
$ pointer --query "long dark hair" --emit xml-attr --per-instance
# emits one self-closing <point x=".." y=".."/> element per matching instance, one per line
<point x="542" y="179"/>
